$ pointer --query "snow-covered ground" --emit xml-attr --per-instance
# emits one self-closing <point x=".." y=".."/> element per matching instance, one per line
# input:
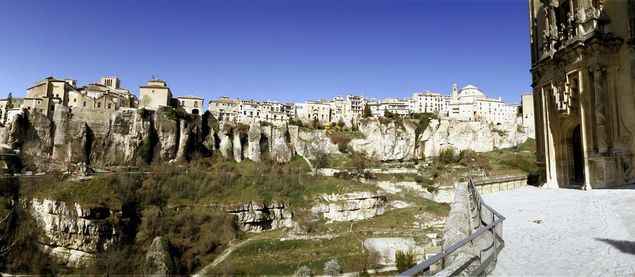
<point x="565" y="232"/>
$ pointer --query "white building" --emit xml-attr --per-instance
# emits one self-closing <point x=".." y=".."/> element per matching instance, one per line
<point x="394" y="105"/>
<point x="430" y="102"/>
<point x="471" y="104"/>
<point x="225" y="108"/>
<point x="191" y="104"/>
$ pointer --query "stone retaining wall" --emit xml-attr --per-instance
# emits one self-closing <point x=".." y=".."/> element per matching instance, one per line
<point x="501" y="184"/>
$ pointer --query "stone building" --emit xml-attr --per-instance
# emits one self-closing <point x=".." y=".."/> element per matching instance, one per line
<point x="107" y="94"/>
<point x="154" y="95"/>
<point x="225" y="108"/>
<point x="317" y="110"/>
<point x="191" y="104"/>
<point x="584" y="91"/>
<point x="527" y="113"/>
<point x="45" y="94"/>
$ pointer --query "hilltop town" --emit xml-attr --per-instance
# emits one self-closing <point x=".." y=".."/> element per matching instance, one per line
<point x="466" y="104"/>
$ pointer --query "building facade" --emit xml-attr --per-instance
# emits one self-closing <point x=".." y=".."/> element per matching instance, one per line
<point x="191" y="104"/>
<point x="584" y="91"/>
<point x="430" y="102"/>
<point x="471" y="104"/>
<point x="154" y="95"/>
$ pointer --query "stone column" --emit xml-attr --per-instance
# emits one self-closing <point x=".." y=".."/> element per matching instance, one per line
<point x="549" y="138"/>
<point x="585" y="125"/>
<point x="600" y="115"/>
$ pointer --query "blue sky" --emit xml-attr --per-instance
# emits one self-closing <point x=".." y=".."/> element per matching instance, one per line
<point x="284" y="50"/>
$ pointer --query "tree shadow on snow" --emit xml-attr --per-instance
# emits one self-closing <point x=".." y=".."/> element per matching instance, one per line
<point x="624" y="246"/>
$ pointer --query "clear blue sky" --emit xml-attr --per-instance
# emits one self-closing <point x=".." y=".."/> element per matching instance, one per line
<point x="284" y="50"/>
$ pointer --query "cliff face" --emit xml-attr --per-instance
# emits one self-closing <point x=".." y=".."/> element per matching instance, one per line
<point x="385" y="142"/>
<point x="460" y="135"/>
<point x="136" y="137"/>
<point x="72" y="233"/>
<point x="352" y="206"/>
<point x="257" y="217"/>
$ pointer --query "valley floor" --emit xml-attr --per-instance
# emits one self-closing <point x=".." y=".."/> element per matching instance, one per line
<point x="565" y="232"/>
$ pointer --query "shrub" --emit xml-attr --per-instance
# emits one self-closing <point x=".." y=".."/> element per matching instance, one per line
<point x="500" y="132"/>
<point x="384" y="120"/>
<point x="332" y="268"/>
<point x="404" y="260"/>
<point x="447" y="156"/>
<point x="366" y="113"/>
<point x="467" y="157"/>
<point x="303" y="271"/>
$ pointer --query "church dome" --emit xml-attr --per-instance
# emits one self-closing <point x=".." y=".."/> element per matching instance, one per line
<point x="471" y="91"/>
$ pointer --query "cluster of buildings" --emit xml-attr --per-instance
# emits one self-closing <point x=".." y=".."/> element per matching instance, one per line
<point x="468" y="104"/>
<point x="107" y="94"/>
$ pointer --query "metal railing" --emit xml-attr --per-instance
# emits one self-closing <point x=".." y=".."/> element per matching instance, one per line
<point x="484" y="221"/>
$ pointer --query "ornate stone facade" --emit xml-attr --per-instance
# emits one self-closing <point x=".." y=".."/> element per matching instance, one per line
<point x="584" y="91"/>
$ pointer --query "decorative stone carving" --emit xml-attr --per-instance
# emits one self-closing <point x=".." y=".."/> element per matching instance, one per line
<point x="600" y="114"/>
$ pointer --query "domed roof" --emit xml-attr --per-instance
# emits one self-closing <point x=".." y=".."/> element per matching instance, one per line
<point x="471" y="91"/>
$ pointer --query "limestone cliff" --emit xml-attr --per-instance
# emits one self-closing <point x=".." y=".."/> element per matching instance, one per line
<point x="462" y="135"/>
<point x="350" y="206"/>
<point x="74" y="234"/>
<point x="137" y="137"/>
<point x="257" y="217"/>
<point x="385" y="142"/>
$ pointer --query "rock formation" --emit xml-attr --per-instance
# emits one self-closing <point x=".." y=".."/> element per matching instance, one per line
<point x="136" y="137"/>
<point x="257" y="217"/>
<point x="462" y="135"/>
<point x="72" y="233"/>
<point x="350" y="206"/>
<point x="158" y="260"/>
<point x="385" y="142"/>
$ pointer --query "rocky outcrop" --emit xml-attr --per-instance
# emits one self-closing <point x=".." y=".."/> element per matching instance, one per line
<point x="257" y="217"/>
<point x="464" y="135"/>
<point x="136" y="137"/>
<point x="278" y="144"/>
<point x="253" y="143"/>
<point x="72" y="233"/>
<point x="311" y="143"/>
<point x="385" y="142"/>
<point x="352" y="206"/>
<point x="158" y="261"/>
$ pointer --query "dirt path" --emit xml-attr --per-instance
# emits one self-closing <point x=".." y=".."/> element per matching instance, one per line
<point x="566" y="232"/>
<point x="222" y="257"/>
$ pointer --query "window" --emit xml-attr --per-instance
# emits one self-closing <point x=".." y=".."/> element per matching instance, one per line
<point x="75" y="100"/>
<point x="108" y="105"/>
<point x="52" y="107"/>
<point x="98" y="105"/>
<point x="84" y="104"/>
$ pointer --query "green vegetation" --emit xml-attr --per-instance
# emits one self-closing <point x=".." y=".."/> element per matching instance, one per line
<point x="500" y="132"/>
<point x="343" y="138"/>
<point x="268" y="255"/>
<point x="366" y="113"/>
<point x="350" y="161"/>
<point x="177" y="114"/>
<point x="392" y="117"/>
<point x="447" y="156"/>
<point x="422" y="122"/>
<point x="89" y="193"/>
<point x="449" y="167"/>
<point x="143" y="112"/>
<point x="296" y="122"/>
<point x="404" y="260"/>
<point x="275" y="257"/>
